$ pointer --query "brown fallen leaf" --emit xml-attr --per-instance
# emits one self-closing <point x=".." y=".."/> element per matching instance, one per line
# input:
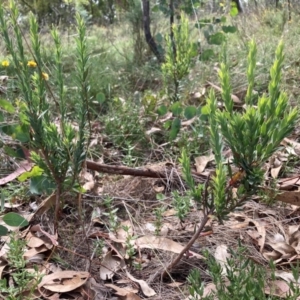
<point x="124" y="291"/>
<point x="275" y="171"/>
<point x="261" y="229"/>
<point x="121" y="234"/>
<point x="87" y="180"/>
<point x="52" y="238"/>
<point x="170" y="212"/>
<point x="237" y="221"/>
<point x="198" y="96"/>
<point x="158" y="188"/>
<point x="34" y="241"/>
<point x="98" y="290"/>
<point x="37" y="259"/>
<point x="167" y="117"/>
<point x="131" y="296"/>
<point x="294" y="144"/>
<point x="288" y="183"/>
<point x="46" y="205"/>
<point x="234" y="98"/>
<point x="202" y="161"/>
<point x="254" y="235"/>
<point x="25" y="166"/>
<point x="278" y="288"/>
<point x="153" y="130"/>
<point x="294" y="237"/>
<point x="284" y="249"/>
<point x="221" y="256"/>
<point x="34" y="251"/>
<point x="5" y="248"/>
<point x="273" y="255"/>
<point x="188" y="122"/>
<point x="109" y="265"/>
<point x="33" y="295"/>
<point x="3" y="78"/>
<point x="148" y="291"/>
<point x="260" y="237"/>
<point x="64" y="281"/>
<point x="287" y="276"/>
<point x="3" y="264"/>
<point x="162" y="243"/>
<point x="175" y="284"/>
<point x="88" y="186"/>
<point x="11" y="205"/>
<point x="291" y="197"/>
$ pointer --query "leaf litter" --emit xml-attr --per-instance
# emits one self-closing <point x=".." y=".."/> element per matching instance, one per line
<point x="267" y="232"/>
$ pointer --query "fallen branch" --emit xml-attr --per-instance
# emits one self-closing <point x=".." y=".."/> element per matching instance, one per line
<point x="163" y="173"/>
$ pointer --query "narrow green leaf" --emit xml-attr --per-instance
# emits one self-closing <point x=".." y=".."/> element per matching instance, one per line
<point x="13" y="219"/>
<point x="176" y="124"/>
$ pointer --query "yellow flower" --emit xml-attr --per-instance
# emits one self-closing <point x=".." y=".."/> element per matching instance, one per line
<point x="45" y="75"/>
<point x="31" y="64"/>
<point x="5" y="63"/>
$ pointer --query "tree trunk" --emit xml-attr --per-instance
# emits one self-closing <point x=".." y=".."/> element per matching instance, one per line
<point x="171" y="7"/>
<point x="289" y="10"/>
<point x="238" y="5"/>
<point x="148" y="36"/>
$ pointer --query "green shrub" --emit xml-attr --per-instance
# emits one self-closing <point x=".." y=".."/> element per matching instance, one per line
<point x="125" y="127"/>
<point x="240" y="278"/>
<point x="57" y="148"/>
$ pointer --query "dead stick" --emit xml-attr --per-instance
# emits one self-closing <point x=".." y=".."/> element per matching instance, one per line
<point x="123" y="170"/>
<point x="146" y="172"/>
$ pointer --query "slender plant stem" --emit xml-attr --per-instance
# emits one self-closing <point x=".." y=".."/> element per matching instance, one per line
<point x="57" y="205"/>
<point x="188" y="245"/>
